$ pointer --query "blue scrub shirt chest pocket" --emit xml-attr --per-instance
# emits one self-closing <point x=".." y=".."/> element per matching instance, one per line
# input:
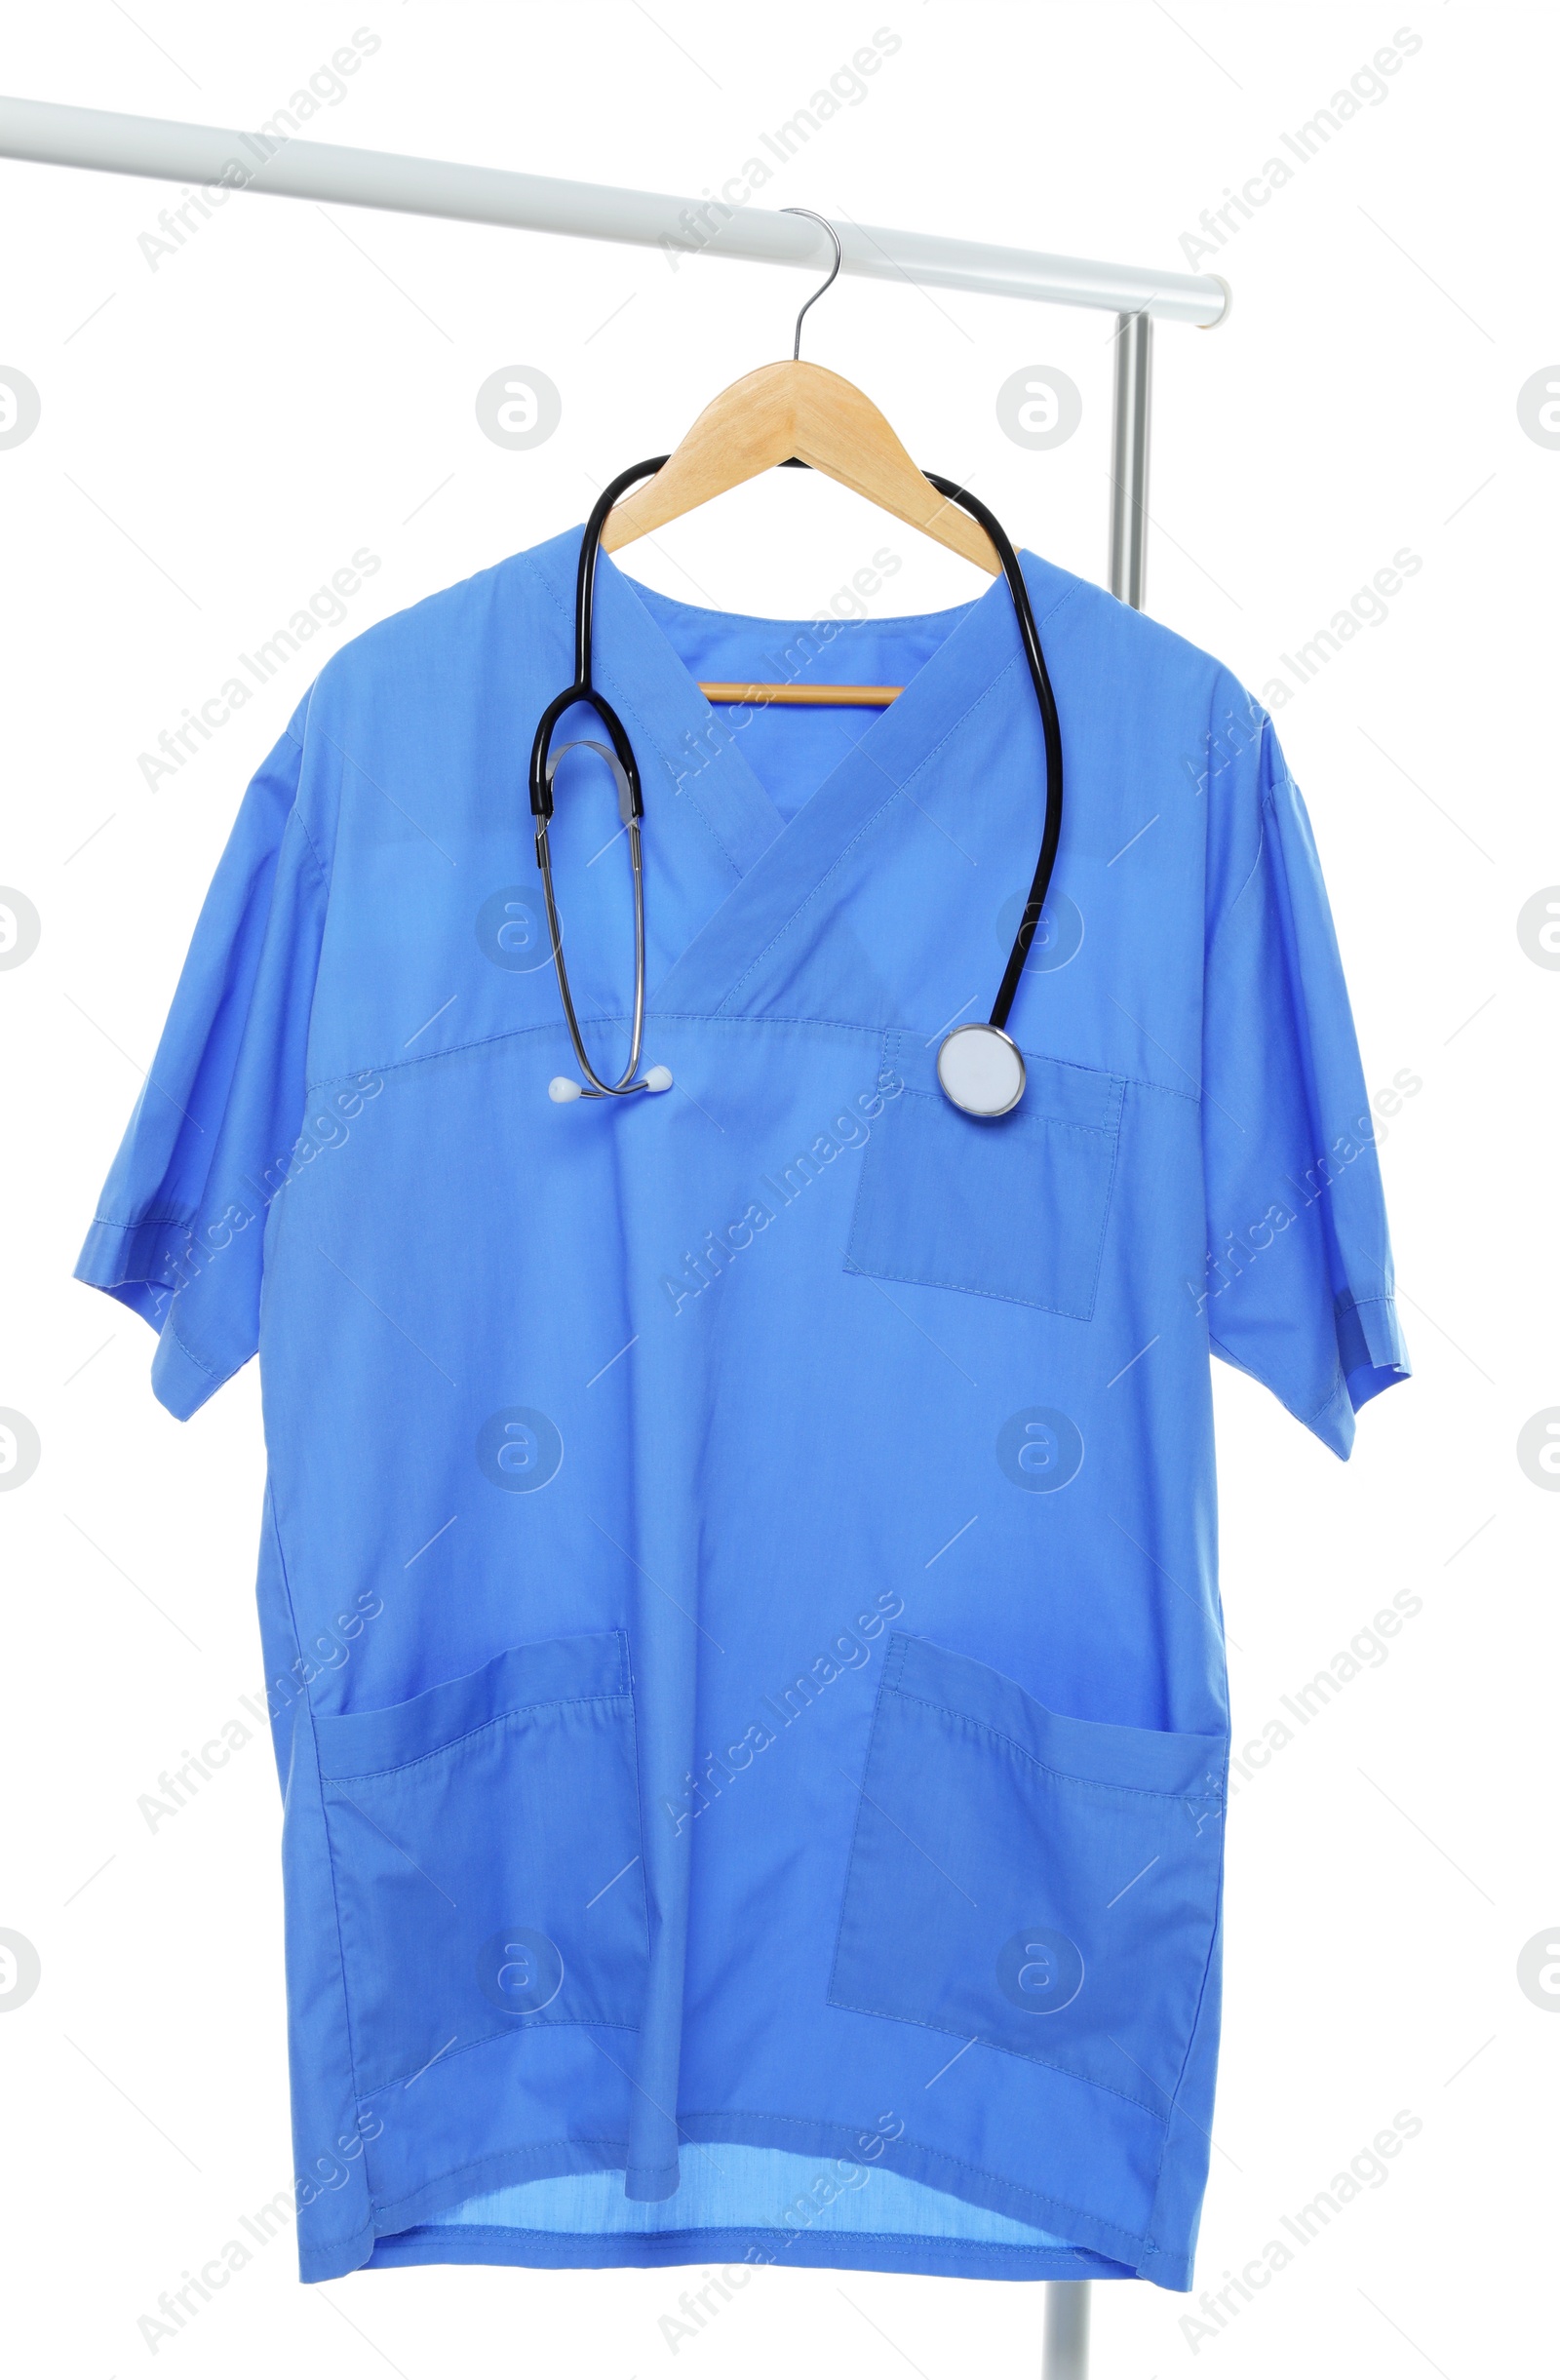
<point x="1012" y="1207"/>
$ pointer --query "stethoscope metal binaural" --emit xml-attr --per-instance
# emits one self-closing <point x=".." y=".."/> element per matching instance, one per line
<point x="618" y="755"/>
<point x="978" y="1067"/>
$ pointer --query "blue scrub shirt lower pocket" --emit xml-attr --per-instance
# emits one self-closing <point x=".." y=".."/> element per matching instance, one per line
<point x="1009" y="1206"/>
<point x="1044" y="1885"/>
<point x="485" y="1840"/>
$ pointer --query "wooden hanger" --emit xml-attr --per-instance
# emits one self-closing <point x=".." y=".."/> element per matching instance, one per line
<point x="795" y="412"/>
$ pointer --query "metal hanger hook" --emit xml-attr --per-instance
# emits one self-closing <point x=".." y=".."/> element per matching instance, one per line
<point x="796" y="352"/>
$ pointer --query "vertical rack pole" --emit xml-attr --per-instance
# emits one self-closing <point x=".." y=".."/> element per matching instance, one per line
<point x="1066" y="2331"/>
<point x="1129" y="459"/>
<point x="1066" y="2302"/>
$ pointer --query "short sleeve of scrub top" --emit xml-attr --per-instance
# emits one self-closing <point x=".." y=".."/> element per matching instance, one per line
<point x="1300" y="1286"/>
<point x="178" y="1236"/>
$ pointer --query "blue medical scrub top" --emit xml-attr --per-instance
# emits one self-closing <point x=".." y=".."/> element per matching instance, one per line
<point x="737" y="1581"/>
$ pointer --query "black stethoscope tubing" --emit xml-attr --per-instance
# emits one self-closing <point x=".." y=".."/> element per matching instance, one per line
<point x="631" y="790"/>
<point x="1051" y="727"/>
<point x="582" y="689"/>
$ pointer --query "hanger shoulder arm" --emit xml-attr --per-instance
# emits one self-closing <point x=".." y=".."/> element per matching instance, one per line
<point x="796" y="408"/>
<point x="750" y="427"/>
<point x="841" y="432"/>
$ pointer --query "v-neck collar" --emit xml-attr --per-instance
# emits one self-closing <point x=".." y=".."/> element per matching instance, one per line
<point x="778" y="867"/>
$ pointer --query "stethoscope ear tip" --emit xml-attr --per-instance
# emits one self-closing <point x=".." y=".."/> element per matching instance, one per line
<point x="563" y="1088"/>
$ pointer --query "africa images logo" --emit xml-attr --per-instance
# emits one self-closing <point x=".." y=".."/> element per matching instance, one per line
<point x="519" y="1449"/>
<point x="1040" y="1449"/>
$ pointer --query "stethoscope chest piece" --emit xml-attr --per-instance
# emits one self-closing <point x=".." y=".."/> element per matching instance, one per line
<point x="981" y="1069"/>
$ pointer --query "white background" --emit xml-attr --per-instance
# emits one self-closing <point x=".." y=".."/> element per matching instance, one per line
<point x="217" y="437"/>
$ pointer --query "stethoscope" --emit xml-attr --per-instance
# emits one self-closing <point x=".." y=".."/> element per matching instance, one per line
<point x="980" y="1067"/>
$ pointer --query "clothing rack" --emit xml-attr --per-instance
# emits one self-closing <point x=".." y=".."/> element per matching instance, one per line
<point x="203" y="156"/>
<point x="41" y="133"/>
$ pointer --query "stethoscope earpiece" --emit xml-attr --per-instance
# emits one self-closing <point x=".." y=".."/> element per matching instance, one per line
<point x="563" y="1089"/>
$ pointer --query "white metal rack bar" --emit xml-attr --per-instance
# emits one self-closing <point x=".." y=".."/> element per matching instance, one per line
<point x="199" y="153"/>
<point x="40" y="133"/>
